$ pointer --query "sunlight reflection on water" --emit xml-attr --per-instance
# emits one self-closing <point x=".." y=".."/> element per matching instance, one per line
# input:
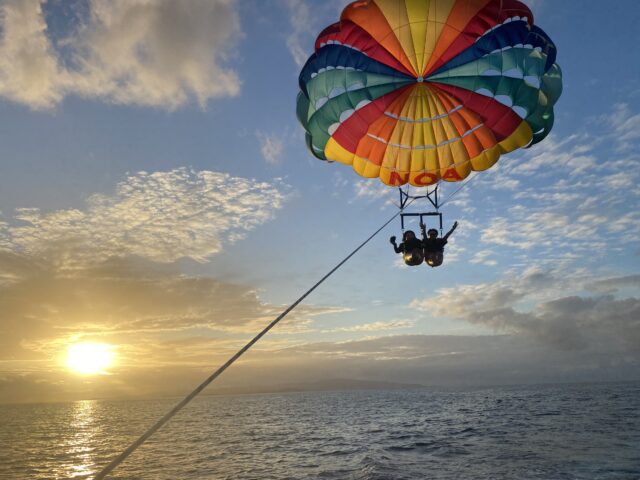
<point x="78" y="445"/>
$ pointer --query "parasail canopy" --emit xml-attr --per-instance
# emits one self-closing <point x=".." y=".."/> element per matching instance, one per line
<point x="418" y="91"/>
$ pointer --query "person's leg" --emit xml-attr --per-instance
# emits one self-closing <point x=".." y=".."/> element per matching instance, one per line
<point x="413" y="258"/>
<point x="433" y="259"/>
<point x="428" y="258"/>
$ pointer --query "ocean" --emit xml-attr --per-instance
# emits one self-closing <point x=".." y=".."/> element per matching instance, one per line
<point x="585" y="431"/>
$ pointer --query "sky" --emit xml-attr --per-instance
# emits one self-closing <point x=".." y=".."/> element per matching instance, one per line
<point x="156" y="195"/>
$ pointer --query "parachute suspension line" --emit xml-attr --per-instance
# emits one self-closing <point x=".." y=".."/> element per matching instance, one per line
<point x="404" y="201"/>
<point x="160" y="423"/>
<point x="432" y="196"/>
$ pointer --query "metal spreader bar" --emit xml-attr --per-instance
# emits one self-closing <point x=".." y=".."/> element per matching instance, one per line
<point x="432" y="196"/>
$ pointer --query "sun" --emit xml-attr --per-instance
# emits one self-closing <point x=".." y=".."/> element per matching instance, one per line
<point x="88" y="358"/>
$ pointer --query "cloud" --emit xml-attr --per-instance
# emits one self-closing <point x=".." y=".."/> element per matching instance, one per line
<point x="482" y="258"/>
<point x="271" y="147"/>
<point x="564" y="208"/>
<point x="376" y="326"/>
<point x="29" y="71"/>
<point x="107" y="273"/>
<point x="154" y="315"/>
<point x="625" y="125"/>
<point x="562" y="233"/>
<point x="372" y="190"/>
<point x="161" y="216"/>
<point x="460" y="300"/>
<point x="300" y="12"/>
<point x="534" y="5"/>
<point x="612" y="285"/>
<point x="305" y="18"/>
<point x="158" y="53"/>
<point x="415" y="359"/>
<point x="528" y="304"/>
<point x="529" y="229"/>
<point x="561" y="170"/>
<point x="573" y="153"/>
<point x="433" y="360"/>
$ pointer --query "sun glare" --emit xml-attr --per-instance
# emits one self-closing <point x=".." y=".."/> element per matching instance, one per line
<point x="90" y="358"/>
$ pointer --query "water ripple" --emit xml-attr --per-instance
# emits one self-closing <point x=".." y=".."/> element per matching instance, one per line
<point x="550" y="432"/>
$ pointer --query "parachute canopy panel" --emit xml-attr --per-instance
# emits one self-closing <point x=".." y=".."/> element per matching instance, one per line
<point x="418" y="91"/>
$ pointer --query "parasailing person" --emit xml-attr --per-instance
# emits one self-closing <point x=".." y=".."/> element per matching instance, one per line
<point x="433" y="247"/>
<point x="411" y="247"/>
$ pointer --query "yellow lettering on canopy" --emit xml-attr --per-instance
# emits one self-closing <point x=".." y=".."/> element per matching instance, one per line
<point x="396" y="179"/>
<point x="424" y="179"/>
<point x="451" y="174"/>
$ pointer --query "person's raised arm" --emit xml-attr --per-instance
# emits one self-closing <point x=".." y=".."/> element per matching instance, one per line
<point x="423" y="229"/>
<point x="455" y="225"/>
<point x="392" y="241"/>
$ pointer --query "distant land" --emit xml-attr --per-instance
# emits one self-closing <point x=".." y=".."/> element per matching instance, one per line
<point x="320" y="385"/>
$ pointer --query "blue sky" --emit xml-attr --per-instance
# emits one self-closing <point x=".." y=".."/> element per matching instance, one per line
<point x="156" y="144"/>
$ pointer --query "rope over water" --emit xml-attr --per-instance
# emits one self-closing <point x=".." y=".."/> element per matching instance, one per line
<point x="160" y="423"/>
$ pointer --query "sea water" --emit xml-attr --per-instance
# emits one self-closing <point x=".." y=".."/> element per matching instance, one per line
<point x="532" y="432"/>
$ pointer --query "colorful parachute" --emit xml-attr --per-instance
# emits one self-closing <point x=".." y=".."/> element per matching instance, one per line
<point x="418" y="91"/>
